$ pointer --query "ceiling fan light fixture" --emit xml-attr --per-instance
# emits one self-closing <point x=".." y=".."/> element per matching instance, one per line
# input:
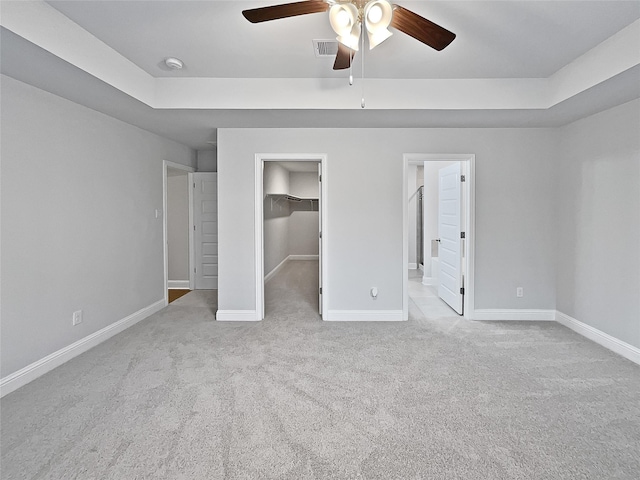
<point x="377" y="18"/>
<point x="343" y="16"/>
<point x="375" y="14"/>
<point x="377" y="38"/>
<point x="347" y="18"/>
<point x="351" y="39"/>
<point x="342" y="19"/>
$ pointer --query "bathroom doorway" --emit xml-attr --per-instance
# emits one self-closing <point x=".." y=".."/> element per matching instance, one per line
<point x="438" y="252"/>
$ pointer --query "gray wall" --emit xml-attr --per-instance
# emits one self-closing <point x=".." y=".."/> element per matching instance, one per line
<point x="207" y="160"/>
<point x="303" y="184"/>
<point x="275" y="178"/>
<point x="79" y="193"/>
<point x="515" y="211"/>
<point x="276" y="216"/>
<point x="303" y="224"/>
<point x="599" y="222"/>
<point x="303" y="233"/>
<point x="178" y="226"/>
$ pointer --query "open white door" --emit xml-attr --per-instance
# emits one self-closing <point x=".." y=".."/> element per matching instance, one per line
<point x="449" y="230"/>
<point x="205" y="229"/>
<point x="320" y="237"/>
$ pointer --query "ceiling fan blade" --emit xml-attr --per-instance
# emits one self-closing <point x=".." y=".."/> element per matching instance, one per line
<point x="344" y="57"/>
<point x="420" y="28"/>
<point x="274" y="12"/>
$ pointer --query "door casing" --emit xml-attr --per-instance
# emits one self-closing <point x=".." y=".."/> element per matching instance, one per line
<point x="260" y="158"/>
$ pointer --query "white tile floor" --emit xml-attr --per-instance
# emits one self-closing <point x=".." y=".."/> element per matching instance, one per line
<point x="426" y="297"/>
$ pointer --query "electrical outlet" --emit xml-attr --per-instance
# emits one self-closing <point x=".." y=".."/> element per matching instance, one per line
<point x="77" y="317"/>
<point x="519" y="292"/>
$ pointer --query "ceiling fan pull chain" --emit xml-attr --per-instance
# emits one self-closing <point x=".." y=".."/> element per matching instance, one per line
<point x="350" y="68"/>
<point x="362" y="50"/>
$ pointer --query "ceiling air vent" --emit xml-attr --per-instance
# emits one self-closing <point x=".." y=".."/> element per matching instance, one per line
<point x="325" y="48"/>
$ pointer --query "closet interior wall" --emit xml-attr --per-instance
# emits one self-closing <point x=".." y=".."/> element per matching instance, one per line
<point x="290" y="224"/>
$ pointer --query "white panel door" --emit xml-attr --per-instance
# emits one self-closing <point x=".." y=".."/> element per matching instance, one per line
<point x="449" y="233"/>
<point x="205" y="230"/>
<point x="320" y="236"/>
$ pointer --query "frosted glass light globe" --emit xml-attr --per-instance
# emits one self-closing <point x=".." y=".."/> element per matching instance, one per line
<point x="375" y="14"/>
<point x="342" y="18"/>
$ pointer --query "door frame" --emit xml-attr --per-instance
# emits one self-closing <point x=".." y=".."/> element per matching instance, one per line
<point x="260" y="159"/>
<point x="468" y="161"/>
<point x="166" y="165"/>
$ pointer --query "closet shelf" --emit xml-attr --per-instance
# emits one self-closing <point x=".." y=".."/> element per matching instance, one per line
<point x="296" y="203"/>
<point x="291" y="198"/>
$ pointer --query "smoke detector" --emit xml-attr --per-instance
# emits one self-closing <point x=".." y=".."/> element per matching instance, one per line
<point x="173" y="63"/>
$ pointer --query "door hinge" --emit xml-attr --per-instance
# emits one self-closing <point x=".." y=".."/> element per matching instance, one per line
<point x="462" y="235"/>
<point x="462" y="291"/>
<point x="194" y="184"/>
<point x="194" y="228"/>
<point x="320" y="290"/>
<point x="319" y="234"/>
<point x="319" y="178"/>
<point x="463" y="178"/>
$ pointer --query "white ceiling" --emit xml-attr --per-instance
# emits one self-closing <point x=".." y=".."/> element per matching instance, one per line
<point x="495" y="39"/>
<point x="519" y="56"/>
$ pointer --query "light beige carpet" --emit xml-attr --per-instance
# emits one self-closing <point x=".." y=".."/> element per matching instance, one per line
<point x="181" y="396"/>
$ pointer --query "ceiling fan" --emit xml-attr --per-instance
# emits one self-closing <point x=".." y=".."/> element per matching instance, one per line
<point x="347" y="17"/>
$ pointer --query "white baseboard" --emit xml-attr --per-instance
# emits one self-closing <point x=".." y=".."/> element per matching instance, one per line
<point x="29" y="373"/>
<point x="277" y="268"/>
<point x="413" y="266"/>
<point x="237" y="316"/>
<point x="428" y="281"/>
<point x="363" y="316"/>
<point x="178" y="284"/>
<point x="513" y="314"/>
<point x="618" y="346"/>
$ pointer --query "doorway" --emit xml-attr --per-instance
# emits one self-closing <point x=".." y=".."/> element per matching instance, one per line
<point x="177" y="235"/>
<point x="290" y="218"/>
<point x="456" y="287"/>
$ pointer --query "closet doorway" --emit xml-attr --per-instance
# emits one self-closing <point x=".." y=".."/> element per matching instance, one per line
<point x="290" y="220"/>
